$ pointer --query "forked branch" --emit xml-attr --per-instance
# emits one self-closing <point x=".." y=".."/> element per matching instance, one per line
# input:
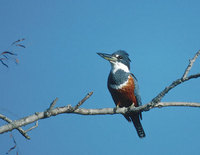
<point x="51" y="111"/>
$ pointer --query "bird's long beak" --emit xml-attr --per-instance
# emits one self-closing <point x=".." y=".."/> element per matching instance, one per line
<point x="108" y="57"/>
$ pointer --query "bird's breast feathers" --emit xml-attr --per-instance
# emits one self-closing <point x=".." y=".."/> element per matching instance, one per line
<point x="123" y="94"/>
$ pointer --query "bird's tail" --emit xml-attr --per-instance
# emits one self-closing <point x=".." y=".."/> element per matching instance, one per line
<point x="138" y="126"/>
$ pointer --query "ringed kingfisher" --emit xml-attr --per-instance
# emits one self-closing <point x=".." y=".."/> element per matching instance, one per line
<point x="123" y="86"/>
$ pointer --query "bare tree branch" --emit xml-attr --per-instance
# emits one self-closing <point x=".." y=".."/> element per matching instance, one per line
<point x="68" y="109"/>
<point x="159" y="97"/>
<point x="184" y="78"/>
<point x="155" y="103"/>
<point x="185" y="104"/>
<point x="18" y="128"/>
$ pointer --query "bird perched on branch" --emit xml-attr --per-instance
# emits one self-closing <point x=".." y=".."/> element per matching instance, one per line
<point x="123" y="86"/>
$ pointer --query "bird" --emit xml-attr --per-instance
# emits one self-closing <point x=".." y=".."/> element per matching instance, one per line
<point x="123" y="87"/>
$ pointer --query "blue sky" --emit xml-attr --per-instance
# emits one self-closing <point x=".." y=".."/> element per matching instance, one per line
<point x="62" y="39"/>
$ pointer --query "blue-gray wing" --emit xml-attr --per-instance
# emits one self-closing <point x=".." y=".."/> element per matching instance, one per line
<point x="136" y="91"/>
<point x="137" y="94"/>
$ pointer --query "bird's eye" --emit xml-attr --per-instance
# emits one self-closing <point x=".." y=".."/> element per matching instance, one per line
<point x="119" y="57"/>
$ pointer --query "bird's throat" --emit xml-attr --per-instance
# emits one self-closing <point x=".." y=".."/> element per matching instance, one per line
<point x="119" y="66"/>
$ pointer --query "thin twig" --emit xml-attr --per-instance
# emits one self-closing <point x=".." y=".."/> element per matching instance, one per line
<point x="33" y="127"/>
<point x="9" y="55"/>
<point x="83" y="100"/>
<point x="15" y="144"/>
<point x="190" y="65"/>
<point x="52" y="105"/>
<point x="19" y="40"/>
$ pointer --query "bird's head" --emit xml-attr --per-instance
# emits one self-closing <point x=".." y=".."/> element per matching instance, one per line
<point x="119" y="60"/>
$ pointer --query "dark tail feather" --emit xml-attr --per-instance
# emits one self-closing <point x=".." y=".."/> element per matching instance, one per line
<point x="138" y="126"/>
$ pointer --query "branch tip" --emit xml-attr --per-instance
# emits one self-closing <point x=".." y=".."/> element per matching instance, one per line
<point x="52" y="105"/>
<point x="191" y="62"/>
<point x="33" y="127"/>
<point x="83" y="100"/>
